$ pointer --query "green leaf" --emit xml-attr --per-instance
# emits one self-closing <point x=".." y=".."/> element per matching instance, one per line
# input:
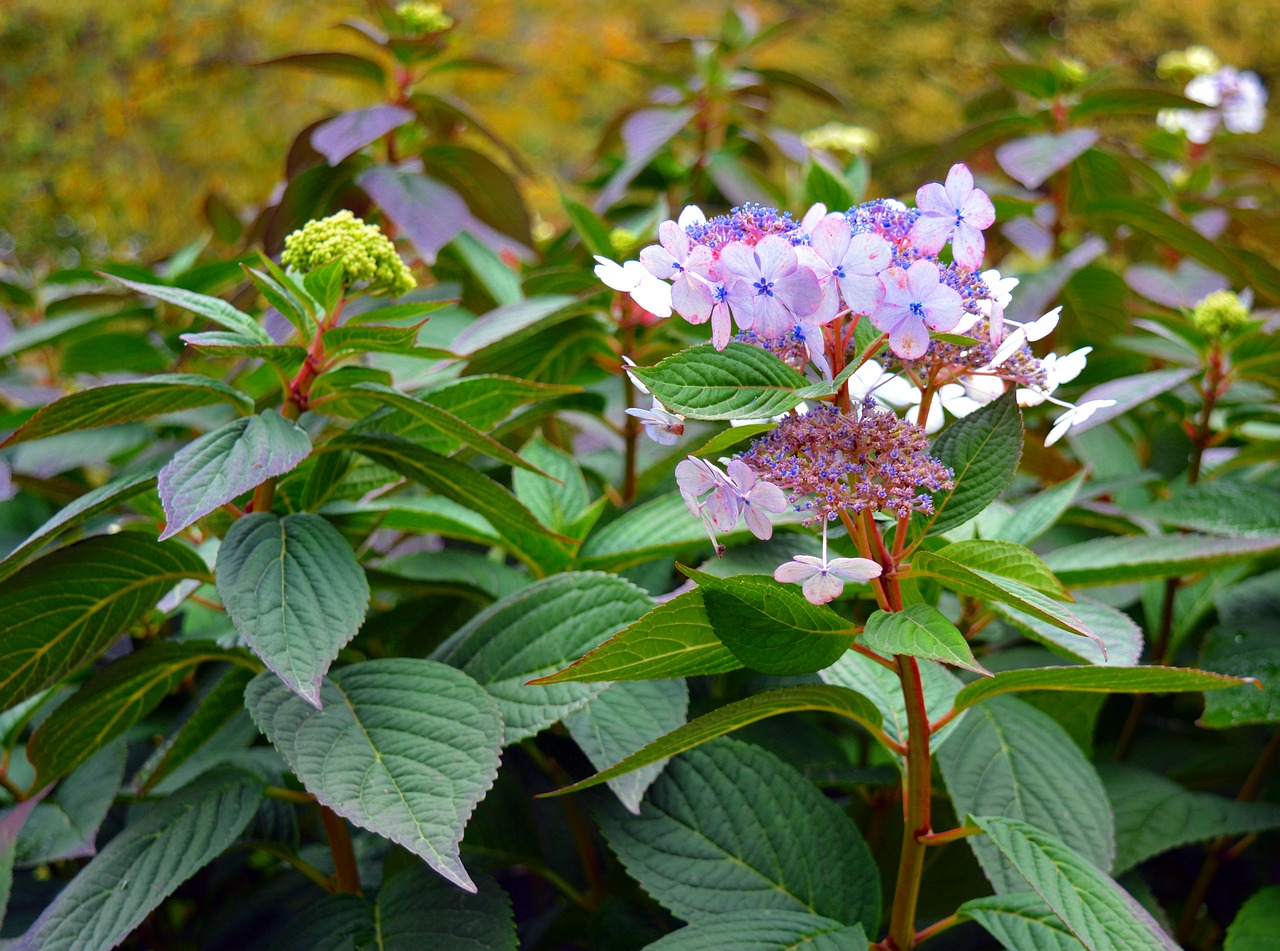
<point x="770" y="627"/>
<point x="1138" y="557"/>
<point x="337" y="64"/>
<point x="523" y="534"/>
<point x="93" y="502"/>
<point x="502" y="284"/>
<point x="1223" y="507"/>
<point x="881" y="686"/>
<point x="739" y="382"/>
<point x="730" y="828"/>
<point x="1154" y="814"/>
<point x="490" y="191"/>
<point x="284" y="300"/>
<point x="60" y="612"/>
<point x="145" y="863"/>
<point x="593" y="230"/>
<point x="1095" y="680"/>
<point x="127" y="402"/>
<point x="989" y="587"/>
<point x="764" y="930"/>
<point x="376" y="338"/>
<point x="731" y="437"/>
<point x="295" y="592"/>
<point x="557" y="504"/>
<point x="286" y="358"/>
<point x="1009" y="759"/>
<point x="403" y="747"/>
<point x="1040" y="512"/>
<point x="1145" y="217"/>
<point x="224" y="464"/>
<point x="1096" y="910"/>
<point x="453" y="570"/>
<point x="1020" y="921"/>
<point x="211" y="308"/>
<point x="1256" y="923"/>
<point x="1120" y="637"/>
<point x="920" y="630"/>
<point x="1113" y="101"/>
<point x="1031" y="161"/>
<point x="65" y="825"/>
<point x="675" y="639"/>
<point x="1008" y="560"/>
<point x="1129" y="392"/>
<point x="110" y="703"/>
<point x="622" y="720"/>
<point x="1244" y="644"/>
<point x="821" y="185"/>
<point x="417" y="910"/>
<point x="536" y="631"/>
<point x="982" y="449"/>
<point x="734" y="716"/>
<point x="325" y="283"/>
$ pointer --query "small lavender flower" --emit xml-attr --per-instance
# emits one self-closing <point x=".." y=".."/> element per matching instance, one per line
<point x="846" y="264"/>
<point x="767" y="285"/>
<point x="955" y="211"/>
<point x="823" y="580"/>
<point x="913" y="299"/>
<point x="695" y="478"/>
<point x="676" y="258"/>
<point x="660" y="424"/>
<point x="758" y="499"/>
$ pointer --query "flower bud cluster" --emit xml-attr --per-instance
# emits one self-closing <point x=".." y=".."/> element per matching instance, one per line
<point x="827" y="462"/>
<point x="1219" y="313"/>
<point x="420" y="18"/>
<point x="367" y="255"/>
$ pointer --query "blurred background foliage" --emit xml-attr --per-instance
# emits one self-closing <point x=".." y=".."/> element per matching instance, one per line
<point x="119" y="119"/>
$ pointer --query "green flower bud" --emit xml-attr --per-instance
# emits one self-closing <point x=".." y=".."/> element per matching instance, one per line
<point x="1072" y="70"/>
<point x="838" y="137"/>
<point x="367" y="255"/>
<point x="1219" y="313"/>
<point x="622" y="241"/>
<point x="418" y="17"/>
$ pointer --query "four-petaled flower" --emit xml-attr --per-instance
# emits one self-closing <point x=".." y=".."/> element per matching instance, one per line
<point x="759" y="499"/>
<point x="847" y="265"/>
<point x="824" y="579"/>
<point x="913" y="299"/>
<point x="687" y="266"/>
<point x="767" y="286"/>
<point x="955" y="211"/>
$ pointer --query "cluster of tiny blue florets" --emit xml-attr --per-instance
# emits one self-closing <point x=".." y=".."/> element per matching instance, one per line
<point x="747" y="223"/>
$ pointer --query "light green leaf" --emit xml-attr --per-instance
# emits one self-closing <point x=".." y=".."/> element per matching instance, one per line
<point x="101" y="499"/>
<point x="718" y="444"/>
<point x="1154" y="814"/>
<point x="127" y="402"/>
<point x="1256" y="923"/>
<point x="764" y="930"/>
<point x="1039" y="513"/>
<point x="558" y="505"/>
<point x="111" y="702"/>
<point x="221" y="465"/>
<point x="1136" y="558"/>
<point x="1095" y="680"/>
<point x="1096" y="910"/>
<point x="770" y="627"/>
<point x="675" y="639"/>
<point x="377" y="338"/>
<point x="1009" y="759"/>
<point x="1120" y="636"/>
<point x="881" y="686"/>
<point x="145" y="863"/>
<point x="920" y="630"/>
<point x="286" y="358"/>
<point x="403" y="747"/>
<point x="535" y="632"/>
<point x="295" y="592"/>
<point x="420" y="514"/>
<point x="60" y="612"/>
<point x="730" y="828"/>
<point x="1008" y="560"/>
<point x="211" y="308"/>
<point x="622" y="720"/>
<point x="1020" y="921"/>
<point x="822" y="697"/>
<point x="739" y="382"/>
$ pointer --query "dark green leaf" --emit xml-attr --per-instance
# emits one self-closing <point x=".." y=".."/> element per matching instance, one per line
<point x="591" y="229"/>
<point x="1163" y="228"/>
<point x="764" y="930"/>
<point x="1095" y="680"/>
<point x="1256" y="923"/>
<point x="65" y="825"/>
<point x="337" y="64"/>
<point x="1222" y="507"/>
<point x="1008" y="560"/>
<point x="1020" y="921"/>
<point x="349" y="132"/>
<point x="1136" y="558"/>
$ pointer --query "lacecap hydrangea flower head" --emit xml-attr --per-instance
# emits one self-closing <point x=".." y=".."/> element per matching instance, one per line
<point x="367" y="255"/>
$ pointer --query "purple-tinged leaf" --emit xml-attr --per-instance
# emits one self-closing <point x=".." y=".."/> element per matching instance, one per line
<point x="226" y="463"/>
<point x="644" y="133"/>
<point x="1130" y="391"/>
<point x="348" y="133"/>
<point x="65" y="826"/>
<point x="1038" y="291"/>
<point x="429" y="213"/>
<point x="1031" y="161"/>
<point x="1179" y="289"/>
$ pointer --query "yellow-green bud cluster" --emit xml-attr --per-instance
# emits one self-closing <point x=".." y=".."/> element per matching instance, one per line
<point x="1219" y="313"/>
<point x="838" y="137"/>
<point x="418" y="17"/>
<point x="623" y="242"/>
<point x="1183" y="64"/>
<point x="365" y="252"/>
<point x="1072" y="70"/>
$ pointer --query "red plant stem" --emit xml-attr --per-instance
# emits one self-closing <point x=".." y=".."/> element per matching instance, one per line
<point x="937" y="928"/>
<point x="916" y="809"/>
<point x="344" y="857"/>
<point x="951" y="835"/>
<point x="859" y="536"/>
<point x="872" y="655"/>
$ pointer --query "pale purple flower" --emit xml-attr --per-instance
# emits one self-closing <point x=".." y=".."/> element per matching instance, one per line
<point x="759" y="499"/>
<point x="686" y="265"/>
<point x="1074" y="416"/>
<point x="767" y="285"/>
<point x="915" y="299"/>
<point x="823" y="580"/>
<point x="633" y="278"/>
<point x="955" y="211"/>
<point x="695" y="478"/>
<point x="660" y="424"/>
<point x="847" y="266"/>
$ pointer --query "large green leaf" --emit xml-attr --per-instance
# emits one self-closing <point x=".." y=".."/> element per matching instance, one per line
<point x="739" y="382"/>
<point x="145" y="862"/>
<point x="881" y="686"/>
<point x="60" y="612"/>
<point x="730" y="827"/>
<point x="94" y="501"/>
<point x="537" y="631"/>
<point x="1020" y="921"/>
<point x="111" y="702"/>
<point x="1223" y="507"/>
<point x="1009" y="759"/>
<point x="1138" y="557"/>
<point x="1256" y="923"/>
<point x="560" y="505"/>
<point x="764" y="930"/>
<point x="1244" y="644"/>
<point x="919" y="630"/>
<point x="1120" y="636"/>
<point x="403" y="747"/>
<point x="1096" y="910"/>
<point x="127" y="402"/>
<point x="295" y="592"/>
<point x="770" y="627"/>
<point x="211" y="308"/>
<point x="1038" y="514"/>
<point x="65" y="824"/>
<point x="622" y="720"/>
<point x="826" y="698"/>
<point x="1008" y="560"/>
<point x="1146" y="217"/>
<point x="1154" y="814"/>
<point x="526" y="537"/>
<point x="982" y="449"/>
<point x="221" y="465"/>
<point x="1095" y="680"/>
<point x="675" y="639"/>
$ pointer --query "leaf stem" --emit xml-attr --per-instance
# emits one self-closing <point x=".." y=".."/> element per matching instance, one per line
<point x="344" y="857"/>
<point x="924" y="934"/>
<point x="917" y="802"/>
<point x="284" y="855"/>
<point x="951" y="835"/>
<point x="869" y="653"/>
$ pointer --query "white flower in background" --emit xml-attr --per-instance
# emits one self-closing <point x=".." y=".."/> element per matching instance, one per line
<point x="1074" y="416"/>
<point x="633" y="278"/>
<point x="1236" y="100"/>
